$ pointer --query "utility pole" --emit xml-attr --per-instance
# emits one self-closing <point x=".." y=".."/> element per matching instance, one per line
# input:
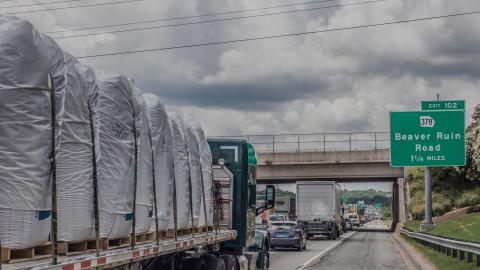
<point x="428" y="223"/>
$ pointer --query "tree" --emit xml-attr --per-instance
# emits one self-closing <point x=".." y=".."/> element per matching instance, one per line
<point x="472" y="166"/>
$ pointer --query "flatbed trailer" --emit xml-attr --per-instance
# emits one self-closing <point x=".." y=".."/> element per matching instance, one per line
<point x="126" y="255"/>
<point x="233" y="238"/>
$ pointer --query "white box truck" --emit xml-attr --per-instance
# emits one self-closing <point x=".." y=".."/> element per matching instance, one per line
<point x="319" y="208"/>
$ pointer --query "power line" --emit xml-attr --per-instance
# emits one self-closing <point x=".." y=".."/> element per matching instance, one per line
<point x="188" y="17"/>
<point x="38" y="4"/>
<point x="218" y="20"/>
<point x="282" y="35"/>
<point x="79" y="6"/>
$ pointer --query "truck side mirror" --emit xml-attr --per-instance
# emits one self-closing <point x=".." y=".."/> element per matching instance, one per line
<point x="252" y="200"/>
<point x="270" y="197"/>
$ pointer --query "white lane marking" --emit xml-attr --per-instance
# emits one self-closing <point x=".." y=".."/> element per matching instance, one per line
<point x="324" y="252"/>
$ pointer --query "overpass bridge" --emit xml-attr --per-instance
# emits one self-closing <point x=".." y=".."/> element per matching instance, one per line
<point x="342" y="166"/>
<point x="342" y="157"/>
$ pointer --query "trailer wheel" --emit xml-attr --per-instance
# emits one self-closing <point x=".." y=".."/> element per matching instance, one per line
<point x="212" y="262"/>
<point x="194" y="264"/>
<point x="230" y="262"/>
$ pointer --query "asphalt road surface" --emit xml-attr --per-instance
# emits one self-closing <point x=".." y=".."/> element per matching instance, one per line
<point x="290" y="259"/>
<point x="362" y="251"/>
<point x="377" y="225"/>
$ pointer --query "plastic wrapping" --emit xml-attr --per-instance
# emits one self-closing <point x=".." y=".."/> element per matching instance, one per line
<point x="25" y="135"/>
<point x="195" y="172"/>
<point x="162" y="144"/>
<point x="116" y="167"/>
<point x="207" y="173"/>
<point x="75" y="173"/>
<point x="144" y="200"/>
<point x="181" y="170"/>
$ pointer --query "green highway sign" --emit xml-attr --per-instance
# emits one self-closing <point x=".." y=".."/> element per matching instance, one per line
<point x="427" y="138"/>
<point x="443" y="105"/>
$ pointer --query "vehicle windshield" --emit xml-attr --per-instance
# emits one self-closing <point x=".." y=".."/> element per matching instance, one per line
<point x="276" y="218"/>
<point x="284" y="225"/>
<point x="353" y="217"/>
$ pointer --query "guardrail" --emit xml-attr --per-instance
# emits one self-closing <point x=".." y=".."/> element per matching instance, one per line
<point x="449" y="246"/>
<point x="325" y="142"/>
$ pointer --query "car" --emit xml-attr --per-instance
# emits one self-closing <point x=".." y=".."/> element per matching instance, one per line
<point x="277" y="218"/>
<point x="355" y="219"/>
<point x="348" y="225"/>
<point x="287" y="234"/>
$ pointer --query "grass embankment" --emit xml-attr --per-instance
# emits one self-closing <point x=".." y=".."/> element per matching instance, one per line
<point x="441" y="260"/>
<point x="465" y="228"/>
<point x="450" y="191"/>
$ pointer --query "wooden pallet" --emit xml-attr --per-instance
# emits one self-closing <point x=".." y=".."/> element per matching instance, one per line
<point x="202" y="229"/>
<point x="164" y="234"/>
<point x="17" y="255"/>
<point x="145" y="237"/>
<point x="69" y="248"/>
<point x="182" y="232"/>
<point x="108" y="244"/>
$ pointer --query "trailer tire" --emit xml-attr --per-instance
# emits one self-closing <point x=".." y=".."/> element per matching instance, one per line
<point x="194" y="264"/>
<point x="230" y="262"/>
<point x="212" y="262"/>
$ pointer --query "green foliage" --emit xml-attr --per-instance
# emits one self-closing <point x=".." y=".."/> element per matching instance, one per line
<point x="473" y="209"/>
<point x="412" y="225"/>
<point x="278" y="193"/>
<point x="370" y="196"/>
<point x="472" y="167"/>
<point x="465" y="228"/>
<point x="450" y="190"/>
<point x="469" y="198"/>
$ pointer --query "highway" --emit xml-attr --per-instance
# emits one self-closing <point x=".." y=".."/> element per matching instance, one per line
<point x="359" y="251"/>
<point x="363" y="251"/>
<point x="289" y="259"/>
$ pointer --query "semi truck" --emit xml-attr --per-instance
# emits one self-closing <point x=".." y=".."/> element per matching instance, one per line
<point x="233" y="244"/>
<point x="319" y="208"/>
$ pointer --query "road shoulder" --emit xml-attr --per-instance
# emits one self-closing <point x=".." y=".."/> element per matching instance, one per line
<point x="326" y="251"/>
<point x="413" y="258"/>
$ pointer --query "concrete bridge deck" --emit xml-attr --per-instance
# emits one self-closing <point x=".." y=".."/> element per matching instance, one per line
<point x="355" y="165"/>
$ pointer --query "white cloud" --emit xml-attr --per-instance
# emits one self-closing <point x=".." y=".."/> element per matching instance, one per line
<point x="339" y="81"/>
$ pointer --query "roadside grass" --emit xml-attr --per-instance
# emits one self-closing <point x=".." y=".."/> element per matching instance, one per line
<point x="440" y="260"/>
<point x="464" y="228"/>
<point x="412" y="225"/>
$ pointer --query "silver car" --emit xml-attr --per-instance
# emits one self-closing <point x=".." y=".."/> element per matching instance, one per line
<point x="287" y="234"/>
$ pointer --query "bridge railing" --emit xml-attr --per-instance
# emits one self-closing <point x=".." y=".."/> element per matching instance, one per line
<point x="326" y="142"/>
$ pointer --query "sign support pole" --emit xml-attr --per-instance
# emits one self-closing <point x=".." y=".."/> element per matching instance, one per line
<point x="428" y="223"/>
<point x="428" y="197"/>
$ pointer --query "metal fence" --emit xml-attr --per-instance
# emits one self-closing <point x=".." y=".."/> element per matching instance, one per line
<point x="326" y="142"/>
<point x="463" y="250"/>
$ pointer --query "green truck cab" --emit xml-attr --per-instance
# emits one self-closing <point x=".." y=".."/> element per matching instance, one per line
<point x="235" y="157"/>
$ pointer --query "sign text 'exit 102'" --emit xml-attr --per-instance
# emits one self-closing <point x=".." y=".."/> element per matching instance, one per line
<point x="443" y="105"/>
<point x="427" y="138"/>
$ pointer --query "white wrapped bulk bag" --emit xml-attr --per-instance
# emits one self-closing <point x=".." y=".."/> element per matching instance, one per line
<point x="195" y="173"/>
<point x="25" y="135"/>
<point x="162" y="144"/>
<point x="116" y="167"/>
<point x="181" y="170"/>
<point x="144" y="199"/>
<point x="207" y="173"/>
<point x="75" y="168"/>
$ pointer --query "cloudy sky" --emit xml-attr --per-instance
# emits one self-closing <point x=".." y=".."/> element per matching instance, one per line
<point x="327" y="82"/>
